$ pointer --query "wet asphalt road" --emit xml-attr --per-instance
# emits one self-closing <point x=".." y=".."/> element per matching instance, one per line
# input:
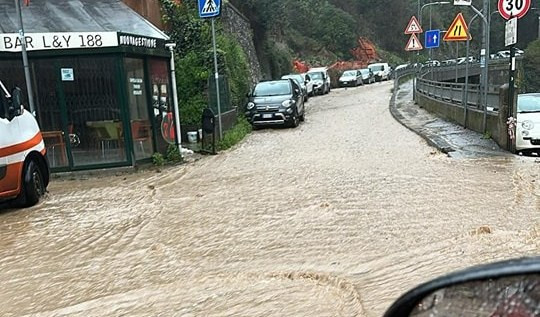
<point x="335" y="218"/>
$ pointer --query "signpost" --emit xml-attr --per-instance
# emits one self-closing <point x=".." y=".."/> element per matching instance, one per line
<point x="513" y="8"/>
<point x="462" y="2"/>
<point x="458" y="30"/>
<point x="511" y="32"/>
<point x="413" y="27"/>
<point x="511" y="40"/>
<point x="209" y="8"/>
<point x="433" y="39"/>
<point x="212" y="9"/>
<point x="413" y="44"/>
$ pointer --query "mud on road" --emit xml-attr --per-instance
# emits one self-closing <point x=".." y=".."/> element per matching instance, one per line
<point x="335" y="218"/>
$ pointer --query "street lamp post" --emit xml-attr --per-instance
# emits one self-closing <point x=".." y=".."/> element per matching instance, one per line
<point x="178" y="131"/>
<point x="485" y="44"/>
<point x="466" y="89"/>
<point x="430" y="4"/>
<point x="27" y="77"/>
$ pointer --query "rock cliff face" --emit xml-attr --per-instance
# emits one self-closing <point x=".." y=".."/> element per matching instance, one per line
<point x="239" y="26"/>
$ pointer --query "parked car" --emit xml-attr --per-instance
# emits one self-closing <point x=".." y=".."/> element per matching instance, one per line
<point x="528" y="122"/>
<point x="463" y="60"/>
<point x="350" y="78"/>
<point x="381" y="71"/>
<point x="449" y="62"/>
<point x="432" y="63"/>
<point x="322" y="83"/>
<point x="277" y="102"/>
<point x="301" y="81"/>
<point x="502" y="54"/>
<point x="309" y="84"/>
<point x="367" y="76"/>
<point x="24" y="169"/>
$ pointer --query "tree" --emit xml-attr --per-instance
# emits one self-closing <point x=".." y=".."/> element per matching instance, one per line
<point x="531" y="67"/>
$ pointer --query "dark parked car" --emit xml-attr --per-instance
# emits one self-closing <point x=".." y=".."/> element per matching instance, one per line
<point x="277" y="102"/>
<point x="367" y="76"/>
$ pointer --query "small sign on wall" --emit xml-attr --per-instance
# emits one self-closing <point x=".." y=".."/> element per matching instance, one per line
<point x="136" y="86"/>
<point x="67" y="74"/>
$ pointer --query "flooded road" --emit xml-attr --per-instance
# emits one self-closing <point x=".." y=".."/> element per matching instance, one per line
<point x="335" y="218"/>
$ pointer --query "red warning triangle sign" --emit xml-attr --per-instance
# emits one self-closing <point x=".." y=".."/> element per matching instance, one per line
<point x="458" y="30"/>
<point x="413" y="44"/>
<point x="413" y="26"/>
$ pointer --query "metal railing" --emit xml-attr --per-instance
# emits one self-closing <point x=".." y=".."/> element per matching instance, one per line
<point x="454" y="93"/>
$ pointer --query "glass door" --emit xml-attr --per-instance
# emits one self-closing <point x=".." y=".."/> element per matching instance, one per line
<point x="141" y="127"/>
<point x="162" y="106"/>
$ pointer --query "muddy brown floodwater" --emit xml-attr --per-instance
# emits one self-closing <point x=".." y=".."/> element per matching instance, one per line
<point x="335" y="218"/>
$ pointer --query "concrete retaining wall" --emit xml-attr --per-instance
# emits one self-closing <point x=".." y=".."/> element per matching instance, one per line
<point x="454" y="113"/>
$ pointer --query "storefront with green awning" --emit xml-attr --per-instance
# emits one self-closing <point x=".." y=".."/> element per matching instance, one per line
<point x="100" y="79"/>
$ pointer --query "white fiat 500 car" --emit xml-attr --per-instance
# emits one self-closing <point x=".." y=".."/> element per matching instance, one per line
<point x="528" y="122"/>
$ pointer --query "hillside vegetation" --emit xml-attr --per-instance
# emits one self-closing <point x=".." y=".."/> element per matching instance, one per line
<point x="323" y="31"/>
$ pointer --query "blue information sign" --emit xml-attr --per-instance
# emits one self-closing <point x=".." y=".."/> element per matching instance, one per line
<point x="209" y="8"/>
<point x="433" y="38"/>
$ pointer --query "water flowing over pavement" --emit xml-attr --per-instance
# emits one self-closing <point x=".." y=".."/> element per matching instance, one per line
<point x="335" y="218"/>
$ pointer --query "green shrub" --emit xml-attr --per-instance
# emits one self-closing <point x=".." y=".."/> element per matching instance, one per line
<point x="173" y="154"/>
<point x="236" y="134"/>
<point x="236" y="69"/>
<point x="195" y="60"/>
<point x="531" y="68"/>
<point x="158" y="159"/>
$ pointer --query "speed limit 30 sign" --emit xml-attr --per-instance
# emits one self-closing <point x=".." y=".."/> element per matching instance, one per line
<point x="514" y="8"/>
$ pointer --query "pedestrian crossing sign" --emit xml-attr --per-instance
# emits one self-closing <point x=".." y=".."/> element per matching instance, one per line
<point x="458" y="30"/>
<point x="209" y="8"/>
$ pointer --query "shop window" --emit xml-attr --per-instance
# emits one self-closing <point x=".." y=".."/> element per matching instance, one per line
<point x="94" y="116"/>
<point x="79" y="111"/>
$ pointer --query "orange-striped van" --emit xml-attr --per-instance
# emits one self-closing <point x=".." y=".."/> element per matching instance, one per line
<point x="24" y="169"/>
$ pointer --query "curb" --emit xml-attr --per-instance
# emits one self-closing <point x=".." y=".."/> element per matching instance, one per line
<point x="433" y="140"/>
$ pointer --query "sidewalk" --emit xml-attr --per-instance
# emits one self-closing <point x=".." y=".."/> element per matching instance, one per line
<point x="448" y="137"/>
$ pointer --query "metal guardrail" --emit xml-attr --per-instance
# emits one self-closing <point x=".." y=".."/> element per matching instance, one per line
<point x="409" y="70"/>
<point x="454" y="93"/>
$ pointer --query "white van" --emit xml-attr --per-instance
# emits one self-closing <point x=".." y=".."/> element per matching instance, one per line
<point x="24" y="170"/>
<point x="321" y="80"/>
<point x="381" y="71"/>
